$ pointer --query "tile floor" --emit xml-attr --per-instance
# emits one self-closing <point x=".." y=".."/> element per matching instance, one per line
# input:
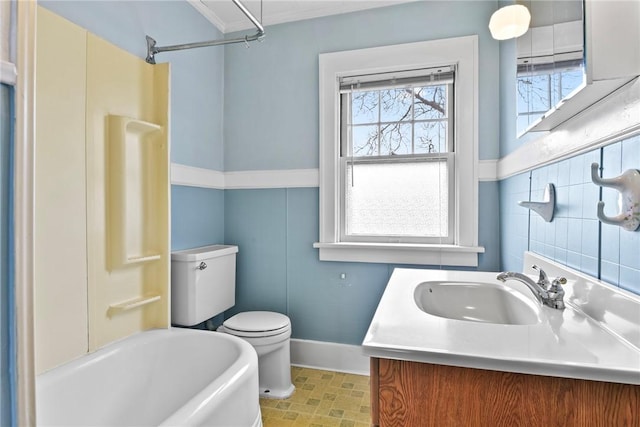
<point x="321" y="399"/>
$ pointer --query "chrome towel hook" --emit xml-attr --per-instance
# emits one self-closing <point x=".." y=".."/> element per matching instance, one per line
<point x="628" y="184"/>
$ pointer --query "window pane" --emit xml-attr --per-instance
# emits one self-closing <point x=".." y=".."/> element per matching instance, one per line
<point x="430" y="102"/>
<point x="430" y="137"/>
<point x="571" y="79"/>
<point x="365" y="140"/>
<point x="524" y="89"/>
<point x="364" y="107"/>
<point x="395" y="105"/>
<point x="525" y="120"/>
<point x="397" y="199"/>
<point x="536" y="95"/>
<point x="395" y="139"/>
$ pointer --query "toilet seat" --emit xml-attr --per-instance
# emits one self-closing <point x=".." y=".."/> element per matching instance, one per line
<point x="256" y="324"/>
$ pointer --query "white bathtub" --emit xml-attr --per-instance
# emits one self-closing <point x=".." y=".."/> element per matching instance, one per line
<point x="171" y="377"/>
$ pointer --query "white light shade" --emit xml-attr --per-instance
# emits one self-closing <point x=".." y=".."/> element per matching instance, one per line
<point x="509" y="22"/>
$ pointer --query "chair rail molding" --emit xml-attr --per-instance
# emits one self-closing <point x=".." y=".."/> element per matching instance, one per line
<point x="192" y="176"/>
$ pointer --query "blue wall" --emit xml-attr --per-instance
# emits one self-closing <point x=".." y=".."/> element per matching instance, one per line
<point x="274" y="87"/>
<point x="197" y="81"/>
<point x="271" y="90"/>
<point x="575" y="237"/>
<point x="278" y="269"/>
<point x="197" y="217"/>
<point x="197" y="76"/>
<point x="271" y="122"/>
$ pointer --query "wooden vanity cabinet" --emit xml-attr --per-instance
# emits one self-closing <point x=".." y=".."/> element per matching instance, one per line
<point x="413" y="394"/>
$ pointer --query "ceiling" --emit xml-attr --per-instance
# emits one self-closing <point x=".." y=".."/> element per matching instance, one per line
<point x="228" y="18"/>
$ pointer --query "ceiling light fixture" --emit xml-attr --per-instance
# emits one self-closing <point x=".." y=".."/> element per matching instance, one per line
<point x="509" y="22"/>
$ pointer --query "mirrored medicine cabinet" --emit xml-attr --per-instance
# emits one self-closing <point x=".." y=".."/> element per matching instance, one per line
<point x="575" y="53"/>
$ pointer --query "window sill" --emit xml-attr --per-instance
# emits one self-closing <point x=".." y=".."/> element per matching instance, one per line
<point x="401" y="253"/>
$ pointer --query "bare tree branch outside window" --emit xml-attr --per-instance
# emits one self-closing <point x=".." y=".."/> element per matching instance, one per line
<point x="537" y="93"/>
<point x="399" y="121"/>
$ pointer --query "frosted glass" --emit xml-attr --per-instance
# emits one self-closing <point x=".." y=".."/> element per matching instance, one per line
<point x="397" y="199"/>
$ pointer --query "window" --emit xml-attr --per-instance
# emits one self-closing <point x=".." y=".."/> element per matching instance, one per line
<point x="396" y="145"/>
<point x="398" y="154"/>
<point x="541" y="86"/>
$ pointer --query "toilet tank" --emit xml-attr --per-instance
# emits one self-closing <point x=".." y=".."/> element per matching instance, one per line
<point x="203" y="283"/>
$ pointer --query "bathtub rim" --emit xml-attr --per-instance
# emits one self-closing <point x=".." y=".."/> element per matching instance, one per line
<point x="190" y="407"/>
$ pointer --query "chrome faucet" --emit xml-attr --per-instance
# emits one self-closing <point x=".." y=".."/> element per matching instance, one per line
<point x="548" y="293"/>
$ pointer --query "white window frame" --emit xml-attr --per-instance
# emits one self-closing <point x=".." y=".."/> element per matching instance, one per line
<point x="459" y="51"/>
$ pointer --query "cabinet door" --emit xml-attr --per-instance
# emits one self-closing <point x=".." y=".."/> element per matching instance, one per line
<point x="414" y="394"/>
<point x="612" y="39"/>
<point x="60" y="251"/>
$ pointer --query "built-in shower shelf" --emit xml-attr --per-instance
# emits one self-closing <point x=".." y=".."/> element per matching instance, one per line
<point x="133" y="303"/>
<point x="135" y="192"/>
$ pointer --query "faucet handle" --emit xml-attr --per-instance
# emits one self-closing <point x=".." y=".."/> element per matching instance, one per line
<point x="556" y="293"/>
<point x="557" y="282"/>
<point x="543" y="279"/>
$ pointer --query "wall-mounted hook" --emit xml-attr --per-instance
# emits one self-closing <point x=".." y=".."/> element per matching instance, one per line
<point x="628" y="184"/>
<point x="545" y="208"/>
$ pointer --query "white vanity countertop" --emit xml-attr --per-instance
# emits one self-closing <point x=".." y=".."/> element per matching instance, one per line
<point x="566" y="343"/>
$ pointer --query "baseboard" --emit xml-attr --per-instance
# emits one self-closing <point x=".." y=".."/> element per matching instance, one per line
<point x="329" y="356"/>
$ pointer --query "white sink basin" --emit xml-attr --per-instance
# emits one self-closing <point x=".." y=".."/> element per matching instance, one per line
<point x="477" y="302"/>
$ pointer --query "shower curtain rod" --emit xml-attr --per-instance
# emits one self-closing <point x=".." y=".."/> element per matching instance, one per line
<point x="152" y="49"/>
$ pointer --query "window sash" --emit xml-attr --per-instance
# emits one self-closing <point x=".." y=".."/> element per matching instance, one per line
<point x="347" y="159"/>
<point x="448" y="159"/>
<point x="346" y="126"/>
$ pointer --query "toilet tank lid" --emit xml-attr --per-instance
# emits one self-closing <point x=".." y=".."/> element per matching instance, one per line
<point x="203" y="252"/>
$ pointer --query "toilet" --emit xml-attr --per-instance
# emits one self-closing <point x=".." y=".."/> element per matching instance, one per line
<point x="269" y="333"/>
<point x="203" y="282"/>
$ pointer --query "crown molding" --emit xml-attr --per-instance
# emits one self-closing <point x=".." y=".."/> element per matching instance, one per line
<point x="293" y="14"/>
<point x="301" y="14"/>
<point x="209" y="15"/>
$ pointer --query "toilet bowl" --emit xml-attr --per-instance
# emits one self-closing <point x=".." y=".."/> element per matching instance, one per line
<point x="203" y="282"/>
<point x="269" y="333"/>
